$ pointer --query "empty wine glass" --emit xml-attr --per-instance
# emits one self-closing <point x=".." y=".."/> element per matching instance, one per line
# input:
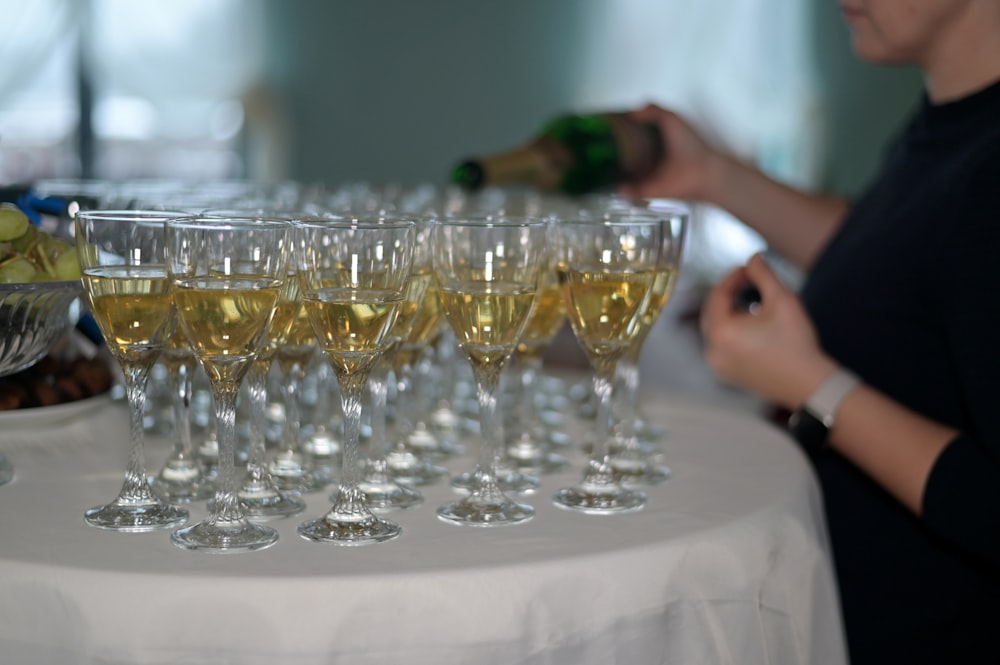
<point x="121" y="255"/>
<point x="608" y="269"/>
<point x="487" y="271"/>
<point x="226" y="276"/>
<point x="353" y="274"/>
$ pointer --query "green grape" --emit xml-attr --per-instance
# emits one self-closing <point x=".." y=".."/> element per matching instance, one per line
<point x="25" y="242"/>
<point x="28" y="254"/>
<point x="17" y="270"/>
<point x="13" y="223"/>
<point x="67" y="266"/>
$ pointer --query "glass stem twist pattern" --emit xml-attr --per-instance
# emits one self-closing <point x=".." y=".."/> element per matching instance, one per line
<point x="350" y="502"/>
<point x="487" y="386"/>
<point x="378" y="391"/>
<point x="135" y="489"/>
<point x="626" y="404"/>
<point x="257" y="392"/>
<point x="227" y="505"/>
<point x="599" y="471"/>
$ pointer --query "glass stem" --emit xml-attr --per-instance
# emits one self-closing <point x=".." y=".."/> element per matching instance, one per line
<point x="182" y="384"/>
<point x="227" y="505"/>
<point x="406" y="406"/>
<point x="136" y="488"/>
<point x="378" y="390"/>
<point x="350" y="500"/>
<point x="290" y="388"/>
<point x="487" y="384"/>
<point x="625" y="412"/>
<point x="531" y="368"/>
<point x="257" y="391"/>
<point x="599" y="469"/>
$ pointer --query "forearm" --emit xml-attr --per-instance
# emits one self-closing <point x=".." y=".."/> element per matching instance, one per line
<point x="893" y="445"/>
<point x="795" y="224"/>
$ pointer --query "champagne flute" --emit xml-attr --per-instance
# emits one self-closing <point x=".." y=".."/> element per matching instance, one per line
<point x="121" y="255"/>
<point x="226" y="275"/>
<point x="353" y="274"/>
<point x="607" y="269"/>
<point x="488" y="271"/>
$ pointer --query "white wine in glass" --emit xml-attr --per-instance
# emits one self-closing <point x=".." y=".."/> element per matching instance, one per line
<point x="607" y="269"/>
<point x="121" y="255"/>
<point x="353" y="273"/>
<point x="226" y="277"/>
<point x="488" y="272"/>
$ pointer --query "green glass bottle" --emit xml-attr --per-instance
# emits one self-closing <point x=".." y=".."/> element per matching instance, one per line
<point x="575" y="154"/>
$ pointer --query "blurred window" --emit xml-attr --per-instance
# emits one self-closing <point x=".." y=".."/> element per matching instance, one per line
<point x="166" y="80"/>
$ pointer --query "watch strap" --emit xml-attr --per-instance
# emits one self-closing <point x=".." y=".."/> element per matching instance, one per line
<point x="826" y="399"/>
<point x="810" y="424"/>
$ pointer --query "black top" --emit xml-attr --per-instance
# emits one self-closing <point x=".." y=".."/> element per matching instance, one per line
<point x="907" y="295"/>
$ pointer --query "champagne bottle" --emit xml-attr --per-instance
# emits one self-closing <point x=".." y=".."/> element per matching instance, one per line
<point x="575" y="154"/>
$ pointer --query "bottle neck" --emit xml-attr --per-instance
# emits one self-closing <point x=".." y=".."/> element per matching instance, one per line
<point x="532" y="163"/>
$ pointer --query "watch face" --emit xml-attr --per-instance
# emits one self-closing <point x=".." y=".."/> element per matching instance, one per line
<point x="808" y="430"/>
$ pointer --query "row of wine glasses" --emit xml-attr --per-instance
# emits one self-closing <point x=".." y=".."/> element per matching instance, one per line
<point x="364" y="285"/>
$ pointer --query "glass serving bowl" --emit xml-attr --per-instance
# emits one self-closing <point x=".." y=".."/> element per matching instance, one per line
<point x="33" y="316"/>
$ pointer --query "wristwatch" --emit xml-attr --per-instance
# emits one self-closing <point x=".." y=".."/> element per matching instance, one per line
<point x="811" y="423"/>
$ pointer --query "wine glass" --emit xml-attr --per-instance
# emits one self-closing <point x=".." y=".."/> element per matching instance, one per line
<point x="181" y="479"/>
<point x="608" y="269"/>
<point x="259" y="495"/>
<point x="226" y="276"/>
<point x="408" y="463"/>
<point x="381" y="489"/>
<point x="353" y="274"/>
<point x="487" y="271"/>
<point x="631" y="460"/>
<point x="529" y="445"/>
<point x="122" y="258"/>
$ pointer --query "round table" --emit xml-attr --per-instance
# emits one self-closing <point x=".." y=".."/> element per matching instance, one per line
<point x="727" y="563"/>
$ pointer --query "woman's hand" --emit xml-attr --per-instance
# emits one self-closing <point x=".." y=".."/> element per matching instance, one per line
<point x="773" y="351"/>
<point x="690" y="164"/>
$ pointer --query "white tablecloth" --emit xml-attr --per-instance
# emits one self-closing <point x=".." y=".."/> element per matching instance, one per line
<point x="728" y="563"/>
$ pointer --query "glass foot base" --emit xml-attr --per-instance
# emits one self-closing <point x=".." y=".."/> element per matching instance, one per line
<point x="389" y="496"/>
<point x="267" y="504"/>
<point x="135" y="517"/>
<point x="418" y="472"/>
<point x="181" y="492"/>
<point x="215" y="537"/>
<point x="640" y="474"/>
<point x="478" y="512"/>
<point x="364" y="531"/>
<point x="602" y="500"/>
<point x="540" y="461"/>
<point x="6" y="471"/>
<point x="514" y="482"/>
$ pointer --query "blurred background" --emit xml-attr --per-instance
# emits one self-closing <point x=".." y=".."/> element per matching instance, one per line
<point x="332" y="91"/>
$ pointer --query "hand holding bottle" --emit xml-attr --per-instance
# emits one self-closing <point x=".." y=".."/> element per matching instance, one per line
<point x="690" y="170"/>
